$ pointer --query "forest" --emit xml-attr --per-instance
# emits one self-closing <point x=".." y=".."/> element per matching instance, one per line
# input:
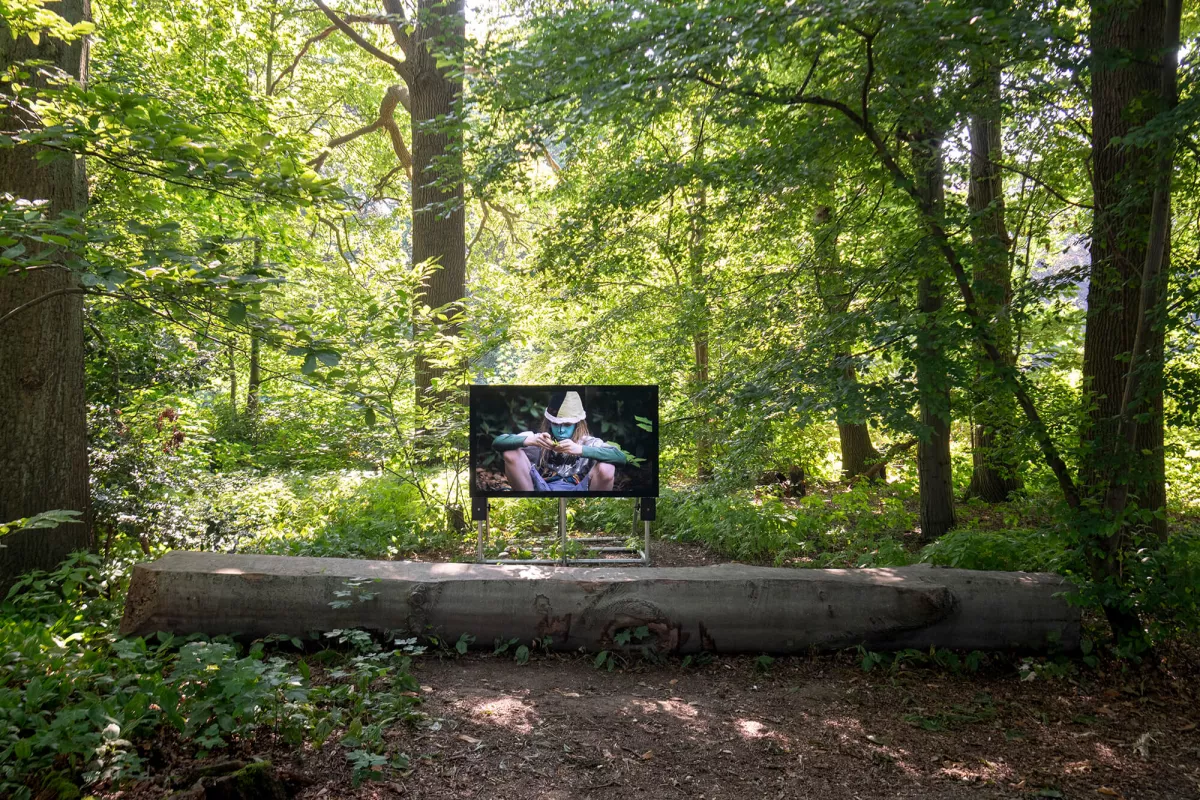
<point x="918" y="282"/>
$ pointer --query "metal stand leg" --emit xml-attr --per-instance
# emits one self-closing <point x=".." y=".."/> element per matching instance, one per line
<point x="646" y="551"/>
<point x="562" y="529"/>
<point x="482" y="539"/>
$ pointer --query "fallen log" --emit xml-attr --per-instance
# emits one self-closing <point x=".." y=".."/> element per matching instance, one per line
<point x="729" y="608"/>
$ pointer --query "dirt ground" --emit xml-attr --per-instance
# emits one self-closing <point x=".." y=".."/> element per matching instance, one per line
<point x="800" y="727"/>
<point x="816" y="727"/>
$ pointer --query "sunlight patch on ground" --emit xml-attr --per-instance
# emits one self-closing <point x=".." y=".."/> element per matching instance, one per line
<point x="506" y="712"/>
<point x="675" y="708"/>
<point x="752" y="729"/>
<point x="1106" y="756"/>
<point x="984" y="771"/>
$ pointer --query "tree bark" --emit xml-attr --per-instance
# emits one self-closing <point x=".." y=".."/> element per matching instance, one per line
<point x="933" y="384"/>
<point x="994" y="476"/>
<point x="858" y="453"/>
<point x="233" y="381"/>
<point x="439" y="223"/>
<point x="698" y="315"/>
<point x="43" y="422"/>
<point x="254" y="382"/>
<point x="1127" y="43"/>
<point x="439" y="241"/>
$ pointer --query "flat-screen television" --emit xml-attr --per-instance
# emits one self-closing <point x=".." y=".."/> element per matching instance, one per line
<point x="564" y="441"/>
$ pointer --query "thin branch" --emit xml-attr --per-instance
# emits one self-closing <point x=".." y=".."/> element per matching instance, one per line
<point x="43" y="298"/>
<point x="883" y="460"/>
<point x="358" y="39"/>
<point x="554" y="165"/>
<point x="866" y="87"/>
<point x="1024" y="174"/>
<point x="479" y="231"/>
<point x="309" y="42"/>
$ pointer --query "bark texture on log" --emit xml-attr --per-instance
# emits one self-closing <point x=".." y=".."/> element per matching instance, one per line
<point x="43" y="424"/>
<point x="730" y="608"/>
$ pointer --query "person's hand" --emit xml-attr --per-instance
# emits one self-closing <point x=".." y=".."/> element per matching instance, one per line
<point x="542" y="440"/>
<point x="570" y="447"/>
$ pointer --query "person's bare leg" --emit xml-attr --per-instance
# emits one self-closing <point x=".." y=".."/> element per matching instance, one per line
<point x="600" y="478"/>
<point x="516" y="469"/>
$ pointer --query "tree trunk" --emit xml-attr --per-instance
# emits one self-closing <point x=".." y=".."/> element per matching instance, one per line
<point x="233" y="382"/>
<point x="933" y="383"/>
<point x="994" y="476"/>
<point x="1127" y="43"/>
<point x="43" y="426"/>
<point x="698" y="320"/>
<point x="858" y="453"/>
<point x="438" y="229"/>
<point x="254" y="383"/>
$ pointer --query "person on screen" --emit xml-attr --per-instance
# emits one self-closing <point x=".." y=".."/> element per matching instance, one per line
<point x="563" y="456"/>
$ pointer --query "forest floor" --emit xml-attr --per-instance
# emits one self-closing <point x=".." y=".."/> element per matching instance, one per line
<point x="741" y="727"/>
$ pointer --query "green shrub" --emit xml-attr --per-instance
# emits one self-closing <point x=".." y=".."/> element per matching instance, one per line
<point x="78" y="703"/>
<point x="854" y="527"/>
<point x="1017" y="549"/>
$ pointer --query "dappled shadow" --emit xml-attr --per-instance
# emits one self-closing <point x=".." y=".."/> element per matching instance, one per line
<point x="558" y="724"/>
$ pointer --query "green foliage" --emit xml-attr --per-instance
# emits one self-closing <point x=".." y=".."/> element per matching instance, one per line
<point x="981" y="709"/>
<point x="1027" y="550"/>
<point x="858" y="527"/>
<point x="80" y="706"/>
<point x="47" y="519"/>
<point x="935" y="657"/>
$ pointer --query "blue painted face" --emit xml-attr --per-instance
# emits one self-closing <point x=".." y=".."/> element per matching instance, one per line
<point x="560" y="431"/>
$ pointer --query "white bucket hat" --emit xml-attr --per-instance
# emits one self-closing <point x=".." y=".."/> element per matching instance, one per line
<point x="570" y="410"/>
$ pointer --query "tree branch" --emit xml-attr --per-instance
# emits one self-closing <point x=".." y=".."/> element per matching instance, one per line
<point x="309" y="42"/>
<point x="395" y="10"/>
<point x="357" y="38"/>
<point x="42" y="298"/>
<point x="479" y="231"/>
<point x="394" y="96"/>
<point x="884" y="460"/>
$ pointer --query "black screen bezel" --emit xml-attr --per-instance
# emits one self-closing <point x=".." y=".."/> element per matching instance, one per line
<point x="477" y="389"/>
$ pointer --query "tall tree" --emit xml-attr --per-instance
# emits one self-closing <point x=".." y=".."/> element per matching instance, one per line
<point x="994" y="475"/>
<point x="1127" y="50"/>
<point x="432" y="43"/>
<point x="698" y="313"/>
<point x="933" y="383"/>
<point x="858" y="453"/>
<point x="43" y="414"/>
<point x="254" y="382"/>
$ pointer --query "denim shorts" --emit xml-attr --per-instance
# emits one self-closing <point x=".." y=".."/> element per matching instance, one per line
<point x="540" y="484"/>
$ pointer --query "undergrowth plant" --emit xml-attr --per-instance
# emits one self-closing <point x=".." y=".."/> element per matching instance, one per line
<point x="80" y="706"/>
